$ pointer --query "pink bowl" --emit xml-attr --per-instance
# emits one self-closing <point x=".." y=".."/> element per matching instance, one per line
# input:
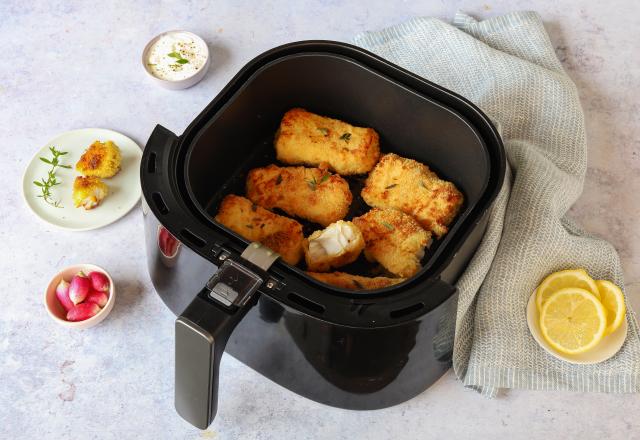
<point x="55" y="309"/>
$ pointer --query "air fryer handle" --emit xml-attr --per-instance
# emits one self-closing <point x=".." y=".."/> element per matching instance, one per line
<point x="198" y="353"/>
<point x="202" y="332"/>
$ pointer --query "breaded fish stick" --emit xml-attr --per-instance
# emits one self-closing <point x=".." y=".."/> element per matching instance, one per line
<point x="313" y="194"/>
<point x="89" y="191"/>
<point x="339" y="244"/>
<point x="411" y="187"/>
<point x="393" y="239"/>
<point x="101" y="159"/>
<point x="307" y="138"/>
<point x="354" y="282"/>
<point x="281" y="234"/>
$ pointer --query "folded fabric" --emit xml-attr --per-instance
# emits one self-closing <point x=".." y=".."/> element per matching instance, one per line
<point x="507" y="66"/>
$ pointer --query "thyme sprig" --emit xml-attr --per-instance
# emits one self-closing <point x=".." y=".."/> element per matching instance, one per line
<point x="45" y="185"/>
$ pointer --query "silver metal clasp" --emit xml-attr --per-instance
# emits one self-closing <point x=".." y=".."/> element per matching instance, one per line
<point x="234" y="284"/>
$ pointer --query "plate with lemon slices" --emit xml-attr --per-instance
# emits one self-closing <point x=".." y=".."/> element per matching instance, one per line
<point x="577" y="319"/>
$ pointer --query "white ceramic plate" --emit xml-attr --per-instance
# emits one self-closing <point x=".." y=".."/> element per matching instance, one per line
<point x="124" y="187"/>
<point x="608" y="347"/>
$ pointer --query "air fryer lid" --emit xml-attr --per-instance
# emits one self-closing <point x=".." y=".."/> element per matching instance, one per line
<point x="184" y="179"/>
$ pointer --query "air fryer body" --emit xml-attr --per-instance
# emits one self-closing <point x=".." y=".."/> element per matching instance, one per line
<point x="343" y="366"/>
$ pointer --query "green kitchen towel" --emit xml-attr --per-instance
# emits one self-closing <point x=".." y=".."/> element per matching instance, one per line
<point x="507" y="66"/>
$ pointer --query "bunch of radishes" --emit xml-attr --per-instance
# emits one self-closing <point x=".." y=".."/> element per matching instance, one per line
<point x="84" y="296"/>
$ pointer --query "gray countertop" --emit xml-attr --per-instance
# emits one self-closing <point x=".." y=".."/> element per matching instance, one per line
<point x="74" y="64"/>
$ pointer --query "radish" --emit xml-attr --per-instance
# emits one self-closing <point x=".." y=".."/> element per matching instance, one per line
<point x="79" y="288"/>
<point x="99" y="281"/>
<point x="96" y="297"/>
<point x="62" y="293"/>
<point x="83" y="311"/>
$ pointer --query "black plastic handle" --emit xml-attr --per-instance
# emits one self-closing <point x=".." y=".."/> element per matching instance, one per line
<point x="202" y="332"/>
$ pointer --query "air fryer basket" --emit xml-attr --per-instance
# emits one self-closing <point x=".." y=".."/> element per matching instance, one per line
<point x="240" y="136"/>
<point x="184" y="178"/>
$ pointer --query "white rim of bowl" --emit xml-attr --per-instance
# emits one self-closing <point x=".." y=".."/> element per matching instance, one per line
<point x="145" y="51"/>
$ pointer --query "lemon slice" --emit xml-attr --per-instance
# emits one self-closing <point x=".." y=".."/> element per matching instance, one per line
<point x="565" y="278"/>
<point x="573" y="320"/>
<point x="613" y="301"/>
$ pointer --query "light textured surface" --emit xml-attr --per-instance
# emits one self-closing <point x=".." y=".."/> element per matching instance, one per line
<point x="73" y="64"/>
<point x="508" y="67"/>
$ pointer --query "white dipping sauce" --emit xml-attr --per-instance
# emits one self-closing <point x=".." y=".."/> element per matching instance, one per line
<point x="176" y="56"/>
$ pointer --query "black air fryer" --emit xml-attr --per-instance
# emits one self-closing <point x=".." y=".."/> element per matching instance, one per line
<point x="349" y="349"/>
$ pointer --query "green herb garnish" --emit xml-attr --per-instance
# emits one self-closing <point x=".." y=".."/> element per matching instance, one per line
<point x="254" y="207"/>
<point x="423" y="185"/>
<point x="346" y="137"/>
<point x="393" y="185"/>
<point x="358" y="284"/>
<point x="279" y="179"/>
<point x="324" y="131"/>
<point x="387" y="225"/>
<point x="313" y="183"/>
<point x="179" y="59"/>
<point x="249" y="226"/>
<point x="45" y="185"/>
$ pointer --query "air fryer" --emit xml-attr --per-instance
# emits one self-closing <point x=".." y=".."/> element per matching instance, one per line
<point x="349" y="349"/>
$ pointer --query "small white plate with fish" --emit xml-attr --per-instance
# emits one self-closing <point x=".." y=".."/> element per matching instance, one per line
<point x="58" y="208"/>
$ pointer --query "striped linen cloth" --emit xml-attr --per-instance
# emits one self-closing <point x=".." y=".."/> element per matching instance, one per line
<point x="507" y="66"/>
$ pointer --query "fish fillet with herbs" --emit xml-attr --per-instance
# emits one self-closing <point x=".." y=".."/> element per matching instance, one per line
<point x="277" y="232"/>
<point x="313" y="194"/>
<point x="410" y="186"/>
<point x="306" y="138"/>
<point x="393" y="239"/>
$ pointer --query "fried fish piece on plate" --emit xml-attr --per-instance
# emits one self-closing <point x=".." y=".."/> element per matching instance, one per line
<point x="354" y="282"/>
<point x="88" y="191"/>
<point x="101" y="159"/>
<point x="277" y="232"/>
<point x="338" y="244"/>
<point x="313" y="194"/>
<point x="393" y="239"/>
<point x="307" y="138"/>
<point x="411" y="187"/>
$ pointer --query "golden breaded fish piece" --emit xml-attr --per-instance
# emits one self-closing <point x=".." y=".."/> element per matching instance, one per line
<point x="338" y="244"/>
<point x="279" y="233"/>
<point x="313" y="194"/>
<point x="89" y="191"/>
<point x="100" y="160"/>
<point x="393" y="239"/>
<point x="411" y="187"/>
<point x="307" y="138"/>
<point x="354" y="282"/>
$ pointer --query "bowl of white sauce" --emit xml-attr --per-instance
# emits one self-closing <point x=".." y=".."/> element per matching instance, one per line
<point x="176" y="59"/>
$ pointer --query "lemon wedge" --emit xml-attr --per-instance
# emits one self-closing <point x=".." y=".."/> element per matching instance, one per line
<point x="565" y="278"/>
<point x="613" y="301"/>
<point x="573" y="320"/>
